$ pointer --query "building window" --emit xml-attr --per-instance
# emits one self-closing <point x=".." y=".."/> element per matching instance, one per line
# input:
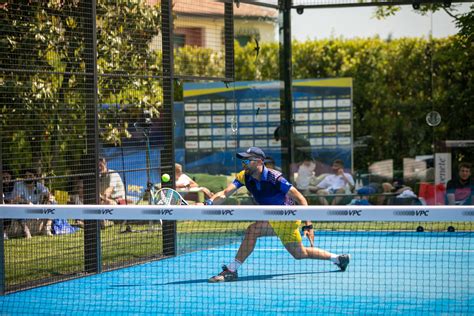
<point x="189" y="36"/>
<point x="179" y="40"/>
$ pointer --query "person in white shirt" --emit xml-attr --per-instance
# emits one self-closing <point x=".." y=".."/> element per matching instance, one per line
<point x="335" y="183"/>
<point x="30" y="191"/>
<point x="305" y="173"/>
<point x="184" y="182"/>
<point x="112" y="189"/>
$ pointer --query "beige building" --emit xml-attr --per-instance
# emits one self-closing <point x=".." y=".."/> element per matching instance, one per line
<point x="201" y="23"/>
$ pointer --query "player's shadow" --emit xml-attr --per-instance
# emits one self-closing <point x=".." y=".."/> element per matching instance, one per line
<point x="281" y="276"/>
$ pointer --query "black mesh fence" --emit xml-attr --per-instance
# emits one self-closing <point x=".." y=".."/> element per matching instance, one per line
<point x="87" y="118"/>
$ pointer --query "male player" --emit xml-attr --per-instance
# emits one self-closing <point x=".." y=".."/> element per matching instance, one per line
<point x="268" y="187"/>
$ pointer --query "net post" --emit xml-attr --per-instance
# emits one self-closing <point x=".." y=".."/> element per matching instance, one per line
<point x="167" y="156"/>
<point x="92" y="253"/>
<point x="169" y="238"/>
<point x="92" y="247"/>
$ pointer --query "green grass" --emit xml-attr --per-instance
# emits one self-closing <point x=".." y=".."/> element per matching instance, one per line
<point x="45" y="257"/>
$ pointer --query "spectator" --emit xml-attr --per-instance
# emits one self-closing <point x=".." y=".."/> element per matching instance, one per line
<point x="305" y="174"/>
<point x="183" y="181"/>
<point x="365" y="193"/>
<point x="77" y="192"/>
<point x="397" y="193"/>
<point x="376" y="193"/>
<point x="7" y="185"/>
<point x="30" y="191"/>
<point x="460" y="191"/>
<point x="396" y="187"/>
<point x="335" y="183"/>
<point x="77" y="197"/>
<point x="112" y="189"/>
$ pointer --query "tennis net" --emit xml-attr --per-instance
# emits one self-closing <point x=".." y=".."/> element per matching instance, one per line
<point x="159" y="260"/>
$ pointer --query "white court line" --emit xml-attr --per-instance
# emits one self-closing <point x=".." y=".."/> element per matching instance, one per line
<point x="351" y="250"/>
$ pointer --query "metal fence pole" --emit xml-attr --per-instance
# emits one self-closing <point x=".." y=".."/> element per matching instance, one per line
<point x="229" y="40"/>
<point x="286" y="99"/>
<point x="2" y="241"/>
<point x="167" y="156"/>
<point x="92" y="247"/>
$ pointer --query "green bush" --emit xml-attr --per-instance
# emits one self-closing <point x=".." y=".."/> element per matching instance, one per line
<point x="395" y="84"/>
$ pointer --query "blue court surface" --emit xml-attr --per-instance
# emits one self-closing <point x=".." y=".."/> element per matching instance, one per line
<point x="390" y="274"/>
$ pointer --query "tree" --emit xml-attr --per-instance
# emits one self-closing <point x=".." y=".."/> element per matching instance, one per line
<point x="43" y="83"/>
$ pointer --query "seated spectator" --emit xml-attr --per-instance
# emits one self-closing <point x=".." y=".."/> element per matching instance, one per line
<point x="305" y="174"/>
<point x="396" y="187"/>
<point x="111" y="187"/>
<point x="183" y="181"/>
<point x="460" y="190"/>
<point x="30" y="191"/>
<point x="77" y="197"/>
<point x="376" y="193"/>
<point x="77" y="192"/>
<point x="397" y="193"/>
<point x="360" y="200"/>
<point x="365" y="193"/>
<point x="7" y="184"/>
<point x="407" y="197"/>
<point x="335" y="183"/>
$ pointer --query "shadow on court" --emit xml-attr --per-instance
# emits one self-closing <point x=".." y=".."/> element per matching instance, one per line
<point x="281" y="276"/>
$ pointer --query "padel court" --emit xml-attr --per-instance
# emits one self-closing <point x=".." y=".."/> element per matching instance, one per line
<point x="390" y="273"/>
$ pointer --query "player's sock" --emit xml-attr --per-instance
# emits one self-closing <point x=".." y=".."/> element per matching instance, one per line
<point x="233" y="266"/>
<point x="334" y="258"/>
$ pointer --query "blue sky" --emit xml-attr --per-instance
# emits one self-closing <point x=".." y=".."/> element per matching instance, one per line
<point x="359" y="22"/>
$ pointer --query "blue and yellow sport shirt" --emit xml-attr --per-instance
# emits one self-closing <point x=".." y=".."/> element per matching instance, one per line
<point x="270" y="190"/>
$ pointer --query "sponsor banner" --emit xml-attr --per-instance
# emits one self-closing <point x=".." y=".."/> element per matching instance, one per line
<point x="442" y="168"/>
<point x="243" y="212"/>
<point x="249" y="112"/>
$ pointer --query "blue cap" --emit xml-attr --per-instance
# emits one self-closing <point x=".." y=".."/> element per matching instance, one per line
<point x="252" y="152"/>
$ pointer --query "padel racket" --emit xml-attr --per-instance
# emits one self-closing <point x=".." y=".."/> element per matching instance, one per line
<point x="168" y="196"/>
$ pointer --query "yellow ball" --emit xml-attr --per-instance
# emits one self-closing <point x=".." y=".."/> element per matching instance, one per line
<point x="165" y="177"/>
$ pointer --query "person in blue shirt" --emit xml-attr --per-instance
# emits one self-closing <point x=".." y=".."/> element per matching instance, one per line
<point x="269" y="187"/>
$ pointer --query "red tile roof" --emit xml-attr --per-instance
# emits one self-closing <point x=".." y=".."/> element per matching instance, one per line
<point x="209" y="7"/>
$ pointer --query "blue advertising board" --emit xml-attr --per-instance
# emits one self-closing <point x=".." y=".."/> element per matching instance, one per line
<point x="221" y="120"/>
